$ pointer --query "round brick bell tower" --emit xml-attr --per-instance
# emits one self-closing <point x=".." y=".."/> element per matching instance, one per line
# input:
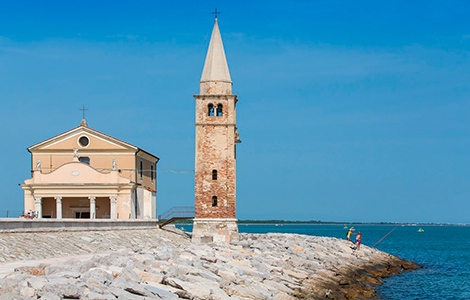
<point x="216" y="138"/>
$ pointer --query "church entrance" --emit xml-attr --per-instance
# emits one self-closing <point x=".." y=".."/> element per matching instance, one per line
<point x="82" y="215"/>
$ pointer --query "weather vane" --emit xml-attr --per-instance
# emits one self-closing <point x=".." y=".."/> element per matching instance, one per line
<point x="216" y="13"/>
<point x="83" y="110"/>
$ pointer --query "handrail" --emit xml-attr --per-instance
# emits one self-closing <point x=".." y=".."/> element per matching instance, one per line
<point x="176" y="213"/>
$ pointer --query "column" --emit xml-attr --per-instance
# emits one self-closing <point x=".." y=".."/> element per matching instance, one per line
<point x="92" y="207"/>
<point x="38" y="206"/>
<point x="58" y="207"/>
<point x="113" y="207"/>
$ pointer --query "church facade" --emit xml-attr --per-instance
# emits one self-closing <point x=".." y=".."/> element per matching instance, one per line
<point x="84" y="173"/>
<point x="216" y="142"/>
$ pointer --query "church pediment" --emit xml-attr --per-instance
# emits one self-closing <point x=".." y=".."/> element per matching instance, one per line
<point x="83" y="138"/>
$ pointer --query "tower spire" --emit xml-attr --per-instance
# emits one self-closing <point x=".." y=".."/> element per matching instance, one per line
<point x="215" y="77"/>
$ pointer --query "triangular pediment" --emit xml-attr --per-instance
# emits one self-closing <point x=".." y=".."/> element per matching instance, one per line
<point x="83" y="138"/>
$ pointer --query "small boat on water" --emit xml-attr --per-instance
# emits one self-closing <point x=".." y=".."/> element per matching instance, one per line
<point x="421" y="230"/>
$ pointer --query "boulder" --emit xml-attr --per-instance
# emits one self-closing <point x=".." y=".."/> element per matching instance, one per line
<point x="27" y="292"/>
<point x="36" y="282"/>
<point x="147" y="277"/>
<point x="129" y="274"/>
<point x="63" y="290"/>
<point x="49" y="296"/>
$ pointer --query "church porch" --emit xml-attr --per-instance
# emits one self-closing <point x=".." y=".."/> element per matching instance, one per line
<point x="75" y="207"/>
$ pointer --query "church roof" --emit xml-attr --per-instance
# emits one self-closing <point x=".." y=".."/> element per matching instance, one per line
<point x="84" y="128"/>
<point x="216" y="67"/>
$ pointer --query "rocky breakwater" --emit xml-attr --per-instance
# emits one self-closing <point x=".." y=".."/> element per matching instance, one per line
<point x="268" y="266"/>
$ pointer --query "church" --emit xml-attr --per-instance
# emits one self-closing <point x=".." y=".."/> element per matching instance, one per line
<point x="84" y="173"/>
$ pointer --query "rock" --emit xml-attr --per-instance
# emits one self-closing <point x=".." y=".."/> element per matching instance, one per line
<point x="130" y="287"/>
<point x="122" y="294"/>
<point x="129" y="274"/>
<point x="209" y="259"/>
<point x="27" y="292"/>
<point x="49" y="296"/>
<point x="244" y="292"/>
<point x="162" y="292"/>
<point x="10" y="296"/>
<point x="174" y="282"/>
<point x="147" y="277"/>
<point x="284" y="296"/>
<point x="279" y="286"/>
<point x="68" y="274"/>
<point x="62" y="290"/>
<point x="59" y="269"/>
<point x="98" y="274"/>
<point x="297" y="274"/>
<point x="258" y="287"/>
<point x="11" y="283"/>
<point x="155" y="266"/>
<point x="36" y="282"/>
<point x="84" y="267"/>
<point x="97" y="296"/>
<point x="228" y="275"/>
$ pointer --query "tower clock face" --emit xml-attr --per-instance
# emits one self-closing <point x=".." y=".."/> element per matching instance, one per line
<point x="83" y="141"/>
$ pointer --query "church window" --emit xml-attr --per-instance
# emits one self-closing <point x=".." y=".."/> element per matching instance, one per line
<point x="84" y="159"/>
<point x="219" y="110"/>
<point x="141" y="170"/>
<point x="151" y="172"/>
<point x="214" y="200"/>
<point x="211" y="110"/>
<point x="83" y="141"/>
<point x="214" y="174"/>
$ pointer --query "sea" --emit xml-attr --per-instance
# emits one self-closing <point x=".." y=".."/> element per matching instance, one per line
<point x="442" y="251"/>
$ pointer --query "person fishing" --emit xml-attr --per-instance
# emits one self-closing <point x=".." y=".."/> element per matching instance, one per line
<point x="348" y="236"/>
<point x="358" y="240"/>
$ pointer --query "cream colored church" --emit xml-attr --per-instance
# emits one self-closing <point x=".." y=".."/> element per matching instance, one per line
<point x="84" y="173"/>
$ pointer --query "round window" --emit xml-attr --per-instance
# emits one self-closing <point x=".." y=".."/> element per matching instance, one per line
<point x="83" y="141"/>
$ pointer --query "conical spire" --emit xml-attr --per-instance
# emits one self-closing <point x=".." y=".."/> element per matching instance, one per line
<point x="215" y="77"/>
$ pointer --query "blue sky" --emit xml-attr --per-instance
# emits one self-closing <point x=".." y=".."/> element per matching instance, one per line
<point x="348" y="111"/>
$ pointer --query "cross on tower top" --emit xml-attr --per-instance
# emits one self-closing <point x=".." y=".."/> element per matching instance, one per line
<point x="83" y="110"/>
<point x="216" y="13"/>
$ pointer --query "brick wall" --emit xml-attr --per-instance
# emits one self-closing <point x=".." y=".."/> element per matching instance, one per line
<point x="215" y="150"/>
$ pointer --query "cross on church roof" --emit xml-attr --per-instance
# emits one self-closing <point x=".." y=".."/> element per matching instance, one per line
<point x="83" y="110"/>
<point x="216" y="13"/>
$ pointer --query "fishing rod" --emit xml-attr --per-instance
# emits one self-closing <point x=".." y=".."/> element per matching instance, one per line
<point x="384" y="236"/>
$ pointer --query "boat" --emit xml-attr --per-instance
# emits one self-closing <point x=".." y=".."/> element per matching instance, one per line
<point x="421" y="230"/>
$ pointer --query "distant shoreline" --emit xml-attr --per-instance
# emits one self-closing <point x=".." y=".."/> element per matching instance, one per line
<point x="274" y="222"/>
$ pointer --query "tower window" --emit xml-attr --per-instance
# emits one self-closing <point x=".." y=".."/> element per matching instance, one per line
<point x="151" y="172"/>
<point x="211" y="110"/>
<point x="84" y="159"/>
<point x="214" y="174"/>
<point x="141" y="169"/>
<point x="214" y="200"/>
<point x="219" y="110"/>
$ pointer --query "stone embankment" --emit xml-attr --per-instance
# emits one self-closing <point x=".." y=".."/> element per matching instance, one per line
<point x="156" y="264"/>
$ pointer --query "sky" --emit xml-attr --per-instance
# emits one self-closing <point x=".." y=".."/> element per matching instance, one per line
<point x="349" y="111"/>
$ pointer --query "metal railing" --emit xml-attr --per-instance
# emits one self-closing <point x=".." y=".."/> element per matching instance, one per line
<point x="176" y="213"/>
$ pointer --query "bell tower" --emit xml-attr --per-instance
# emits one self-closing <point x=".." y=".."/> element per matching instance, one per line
<point x="216" y="139"/>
